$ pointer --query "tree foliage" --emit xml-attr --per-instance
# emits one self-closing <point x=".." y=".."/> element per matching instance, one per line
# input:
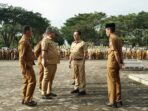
<point x="85" y="23"/>
<point x="12" y="20"/>
<point x="132" y="28"/>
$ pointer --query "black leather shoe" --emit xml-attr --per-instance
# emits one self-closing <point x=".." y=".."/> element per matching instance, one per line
<point x="52" y="94"/>
<point x="112" y="105"/>
<point x="23" y="101"/>
<point x="120" y="103"/>
<point x="46" y="97"/>
<point x="31" y="103"/>
<point x="75" y="91"/>
<point x="82" y="93"/>
<point x="73" y="83"/>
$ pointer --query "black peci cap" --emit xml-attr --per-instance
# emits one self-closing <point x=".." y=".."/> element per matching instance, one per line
<point x="110" y="25"/>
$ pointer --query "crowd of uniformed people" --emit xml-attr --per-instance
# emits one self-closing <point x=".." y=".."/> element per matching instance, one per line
<point x="93" y="53"/>
<point x="100" y="52"/>
<point x="8" y="54"/>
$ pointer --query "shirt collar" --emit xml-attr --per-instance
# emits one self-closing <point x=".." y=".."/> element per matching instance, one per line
<point x="77" y="41"/>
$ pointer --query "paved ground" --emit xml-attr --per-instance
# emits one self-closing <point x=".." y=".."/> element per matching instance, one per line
<point x="142" y="78"/>
<point x="135" y="95"/>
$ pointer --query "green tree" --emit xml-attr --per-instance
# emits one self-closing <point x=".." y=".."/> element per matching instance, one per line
<point x="85" y="23"/>
<point x="12" y="20"/>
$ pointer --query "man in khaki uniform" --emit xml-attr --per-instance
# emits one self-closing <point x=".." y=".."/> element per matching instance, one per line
<point x="9" y="54"/>
<point x="129" y="53"/>
<point x="26" y="61"/>
<point x="146" y="54"/>
<point x="139" y="54"/>
<point x="38" y="55"/>
<point x="0" y="54"/>
<point x="3" y="54"/>
<point x="67" y="54"/>
<point x="114" y="64"/>
<point x="143" y="54"/>
<point x="16" y="54"/>
<point x="12" y="54"/>
<point x="50" y="59"/>
<point x="134" y="54"/>
<point x="6" y="54"/>
<point x="77" y="64"/>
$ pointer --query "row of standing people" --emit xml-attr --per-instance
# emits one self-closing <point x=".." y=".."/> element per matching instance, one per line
<point x="49" y="56"/>
<point x="98" y="54"/>
<point x="8" y="54"/>
<point x="94" y="53"/>
<point x="139" y="54"/>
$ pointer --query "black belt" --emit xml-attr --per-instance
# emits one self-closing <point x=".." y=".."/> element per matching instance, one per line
<point x="77" y="59"/>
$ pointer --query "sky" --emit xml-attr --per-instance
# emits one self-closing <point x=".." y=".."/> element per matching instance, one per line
<point x="58" y="11"/>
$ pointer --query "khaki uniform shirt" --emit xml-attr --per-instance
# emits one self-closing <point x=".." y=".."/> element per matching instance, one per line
<point x="115" y="46"/>
<point x="53" y="55"/>
<point x="26" y="55"/>
<point x="77" y="50"/>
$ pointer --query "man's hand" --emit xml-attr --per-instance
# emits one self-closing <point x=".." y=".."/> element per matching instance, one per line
<point x="121" y="66"/>
<point x="44" y="63"/>
<point x="84" y="60"/>
<point x="44" y="58"/>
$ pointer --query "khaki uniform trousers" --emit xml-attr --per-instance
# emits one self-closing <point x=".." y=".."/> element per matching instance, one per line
<point x="78" y="69"/>
<point x="114" y="86"/>
<point x="41" y="73"/>
<point x="147" y="55"/>
<point x="29" y="84"/>
<point x="73" y="75"/>
<point x="48" y="77"/>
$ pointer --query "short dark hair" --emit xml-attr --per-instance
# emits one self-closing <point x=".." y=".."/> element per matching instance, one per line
<point x="78" y="31"/>
<point x="111" y="26"/>
<point x="50" y="29"/>
<point x="26" y="28"/>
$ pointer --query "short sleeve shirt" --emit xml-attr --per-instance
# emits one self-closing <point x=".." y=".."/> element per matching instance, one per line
<point x="115" y="46"/>
<point x="77" y="50"/>
<point x="53" y="56"/>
